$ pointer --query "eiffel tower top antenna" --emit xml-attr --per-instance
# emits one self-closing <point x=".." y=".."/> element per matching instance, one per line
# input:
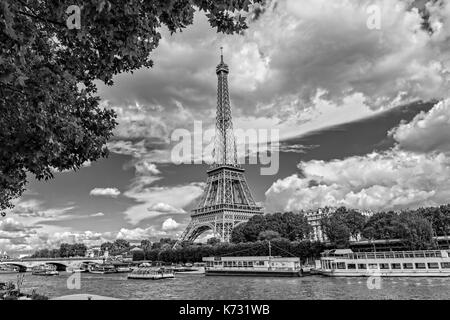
<point x="225" y="143"/>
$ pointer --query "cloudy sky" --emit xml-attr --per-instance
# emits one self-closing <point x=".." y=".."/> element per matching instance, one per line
<point x="362" y="115"/>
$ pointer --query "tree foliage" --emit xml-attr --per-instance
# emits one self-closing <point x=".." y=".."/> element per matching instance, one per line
<point x="287" y="225"/>
<point x="195" y="252"/>
<point x="50" y="117"/>
<point x="65" y="251"/>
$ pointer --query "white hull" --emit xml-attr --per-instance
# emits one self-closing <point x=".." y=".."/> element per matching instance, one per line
<point x="151" y="277"/>
<point x="345" y="263"/>
<point x="412" y="273"/>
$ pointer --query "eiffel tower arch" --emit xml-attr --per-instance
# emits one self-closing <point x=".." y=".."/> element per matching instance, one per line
<point x="227" y="200"/>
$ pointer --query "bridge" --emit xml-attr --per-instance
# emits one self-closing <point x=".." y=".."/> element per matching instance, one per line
<point x="61" y="263"/>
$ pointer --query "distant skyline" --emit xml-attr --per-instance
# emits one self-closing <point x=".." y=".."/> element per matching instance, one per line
<point x="345" y="99"/>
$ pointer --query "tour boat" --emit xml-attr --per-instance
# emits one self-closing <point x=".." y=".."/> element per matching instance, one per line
<point x="146" y="273"/>
<point x="346" y="263"/>
<point x="102" y="269"/>
<point x="266" y="266"/>
<point x="253" y="266"/>
<point x="123" y="269"/>
<point x="7" y="269"/>
<point x="44" y="270"/>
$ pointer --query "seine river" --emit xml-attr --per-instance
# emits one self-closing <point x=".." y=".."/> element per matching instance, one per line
<point x="201" y="287"/>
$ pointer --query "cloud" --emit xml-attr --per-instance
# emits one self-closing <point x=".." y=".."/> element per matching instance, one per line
<point x="140" y="233"/>
<point x="414" y="173"/>
<point x="100" y="214"/>
<point x="11" y="225"/>
<point x="391" y="180"/>
<point x="158" y="201"/>
<point x="105" y="192"/>
<point x="427" y="132"/>
<point x="170" y="224"/>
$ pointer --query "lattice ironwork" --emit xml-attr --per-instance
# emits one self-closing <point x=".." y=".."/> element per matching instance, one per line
<point x="227" y="200"/>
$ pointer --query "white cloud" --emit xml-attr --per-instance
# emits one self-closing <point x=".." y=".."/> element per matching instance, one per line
<point x="170" y="224"/>
<point x="106" y="192"/>
<point x="139" y="233"/>
<point x="392" y="180"/>
<point x="99" y="214"/>
<point x="11" y="225"/>
<point x="428" y="131"/>
<point x="157" y="201"/>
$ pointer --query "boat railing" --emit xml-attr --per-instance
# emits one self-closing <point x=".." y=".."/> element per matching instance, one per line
<point x="386" y="255"/>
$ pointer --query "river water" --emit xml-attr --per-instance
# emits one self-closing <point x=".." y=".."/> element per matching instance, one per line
<point x="247" y="288"/>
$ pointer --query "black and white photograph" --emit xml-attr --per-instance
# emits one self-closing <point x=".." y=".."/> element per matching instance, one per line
<point x="224" y="150"/>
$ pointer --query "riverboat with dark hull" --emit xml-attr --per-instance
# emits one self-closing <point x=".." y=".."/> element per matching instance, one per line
<point x="346" y="263"/>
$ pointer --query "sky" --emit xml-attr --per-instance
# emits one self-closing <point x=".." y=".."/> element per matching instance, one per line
<point x="360" y="105"/>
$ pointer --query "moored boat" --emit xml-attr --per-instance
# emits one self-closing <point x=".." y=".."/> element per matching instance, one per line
<point x="123" y="269"/>
<point x="44" y="270"/>
<point x="346" y="263"/>
<point x="253" y="266"/>
<point x="102" y="269"/>
<point x="146" y="273"/>
<point x="8" y="269"/>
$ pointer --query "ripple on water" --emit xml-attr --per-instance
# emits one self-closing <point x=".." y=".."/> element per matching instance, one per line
<point x="219" y="288"/>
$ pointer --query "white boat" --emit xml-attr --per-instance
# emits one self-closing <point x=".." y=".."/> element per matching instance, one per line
<point x="146" y="273"/>
<point x="346" y="263"/>
<point x="123" y="269"/>
<point x="8" y="269"/>
<point x="102" y="269"/>
<point x="44" y="270"/>
<point x="267" y="266"/>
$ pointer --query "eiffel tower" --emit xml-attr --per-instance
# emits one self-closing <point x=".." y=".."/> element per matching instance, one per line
<point x="227" y="200"/>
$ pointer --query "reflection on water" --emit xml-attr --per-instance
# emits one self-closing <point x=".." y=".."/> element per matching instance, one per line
<point x="201" y="287"/>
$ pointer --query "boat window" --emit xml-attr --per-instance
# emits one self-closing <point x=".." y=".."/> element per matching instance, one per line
<point x="430" y="254"/>
<point x="408" y="266"/>
<point x="409" y="255"/>
<point x="433" y="265"/>
<point x="396" y="266"/>
<point x="261" y="263"/>
<point x="370" y="256"/>
<point x="389" y="255"/>
<point x="239" y="263"/>
<point x="341" y="265"/>
<point x="384" y="265"/>
<point x="362" y="266"/>
<point x="445" y="265"/>
<point x="373" y="266"/>
<point x="419" y="254"/>
<point x="421" y="266"/>
<point x="351" y="266"/>
<point x="245" y="264"/>
<point x="379" y="255"/>
<point x="235" y="264"/>
<point x="361" y="256"/>
<point x="399" y="255"/>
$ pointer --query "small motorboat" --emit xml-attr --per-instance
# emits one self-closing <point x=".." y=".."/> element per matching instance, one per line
<point x="44" y="270"/>
<point x="146" y="273"/>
